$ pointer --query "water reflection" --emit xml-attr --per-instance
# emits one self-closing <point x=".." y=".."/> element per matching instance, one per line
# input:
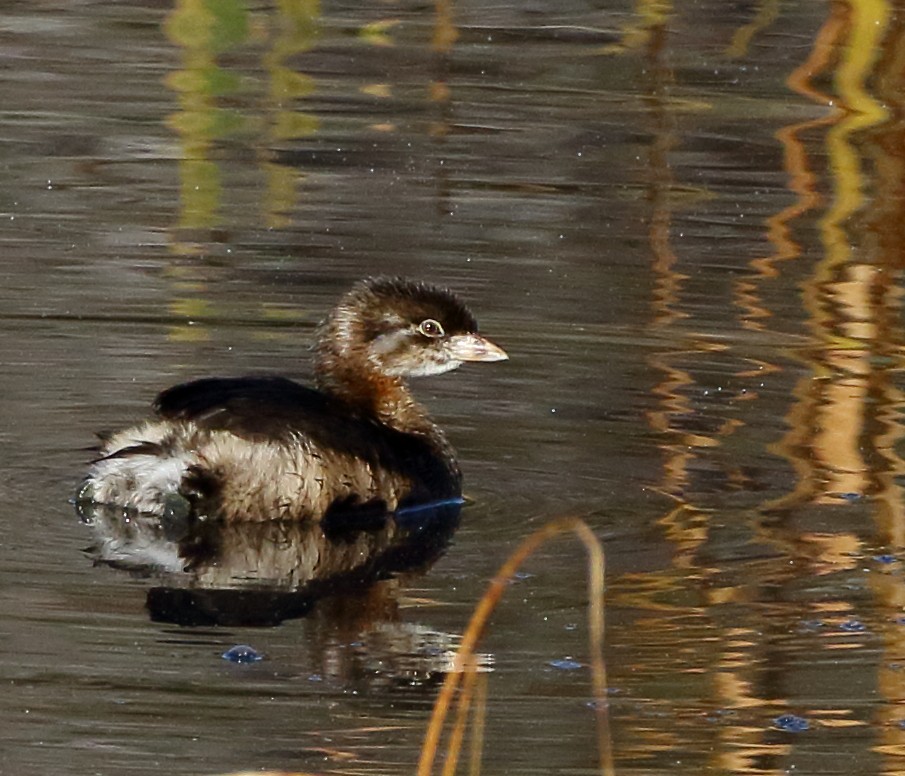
<point x="206" y="572"/>
<point x="219" y="104"/>
<point x="843" y="425"/>
<point x="840" y="427"/>
<point x="689" y="219"/>
<point x="844" y="399"/>
<point x="204" y="32"/>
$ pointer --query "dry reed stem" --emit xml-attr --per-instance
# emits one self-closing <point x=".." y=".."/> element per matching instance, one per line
<point x="464" y="657"/>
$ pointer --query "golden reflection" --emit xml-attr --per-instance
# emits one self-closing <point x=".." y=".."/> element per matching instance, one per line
<point x="668" y="281"/>
<point x="672" y="402"/>
<point x="445" y="31"/>
<point x="845" y="425"/>
<point x="802" y="181"/>
<point x="837" y="296"/>
<point x="844" y="417"/>
<point x="885" y="225"/>
<point x="826" y="438"/>
<point x="687" y="529"/>
<point x="734" y="685"/>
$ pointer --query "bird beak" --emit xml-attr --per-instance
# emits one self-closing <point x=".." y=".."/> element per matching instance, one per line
<point x="473" y="347"/>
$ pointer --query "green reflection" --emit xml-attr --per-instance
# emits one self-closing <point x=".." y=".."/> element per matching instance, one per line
<point x="203" y="30"/>
<point x="296" y="32"/>
<point x="211" y="26"/>
<point x="216" y="102"/>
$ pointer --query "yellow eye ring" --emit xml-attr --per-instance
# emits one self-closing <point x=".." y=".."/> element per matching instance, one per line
<point x="431" y="328"/>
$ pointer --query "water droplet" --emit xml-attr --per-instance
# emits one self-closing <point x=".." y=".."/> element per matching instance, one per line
<point x="242" y="653"/>
<point x="565" y="664"/>
<point x="791" y="724"/>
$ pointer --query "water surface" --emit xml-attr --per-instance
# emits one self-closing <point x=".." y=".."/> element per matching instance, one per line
<point x="684" y="224"/>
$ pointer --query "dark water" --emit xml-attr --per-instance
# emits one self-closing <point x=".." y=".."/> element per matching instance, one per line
<point x="684" y="224"/>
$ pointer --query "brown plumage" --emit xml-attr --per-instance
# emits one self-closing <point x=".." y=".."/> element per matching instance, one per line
<point x="258" y="448"/>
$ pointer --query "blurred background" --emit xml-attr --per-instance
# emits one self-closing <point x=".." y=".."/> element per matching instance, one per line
<point x="685" y="225"/>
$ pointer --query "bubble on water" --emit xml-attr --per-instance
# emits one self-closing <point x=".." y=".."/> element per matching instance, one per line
<point x="242" y="653"/>
<point x="791" y="723"/>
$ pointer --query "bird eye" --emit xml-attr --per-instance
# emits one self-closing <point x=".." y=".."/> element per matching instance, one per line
<point x="431" y="328"/>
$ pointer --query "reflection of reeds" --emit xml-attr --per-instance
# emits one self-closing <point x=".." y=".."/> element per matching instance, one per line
<point x="465" y="669"/>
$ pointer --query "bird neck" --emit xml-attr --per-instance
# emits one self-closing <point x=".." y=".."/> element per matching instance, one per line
<point x="346" y="373"/>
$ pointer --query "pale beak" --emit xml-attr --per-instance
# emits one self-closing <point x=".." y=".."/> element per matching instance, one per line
<point x="473" y="347"/>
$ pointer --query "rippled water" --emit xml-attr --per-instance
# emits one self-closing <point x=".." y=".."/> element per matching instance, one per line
<point x="684" y="224"/>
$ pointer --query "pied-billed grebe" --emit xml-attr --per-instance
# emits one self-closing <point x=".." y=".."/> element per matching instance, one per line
<point x="258" y="448"/>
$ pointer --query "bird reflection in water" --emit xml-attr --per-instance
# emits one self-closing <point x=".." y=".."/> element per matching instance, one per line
<point x="215" y="573"/>
<point x="345" y="581"/>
